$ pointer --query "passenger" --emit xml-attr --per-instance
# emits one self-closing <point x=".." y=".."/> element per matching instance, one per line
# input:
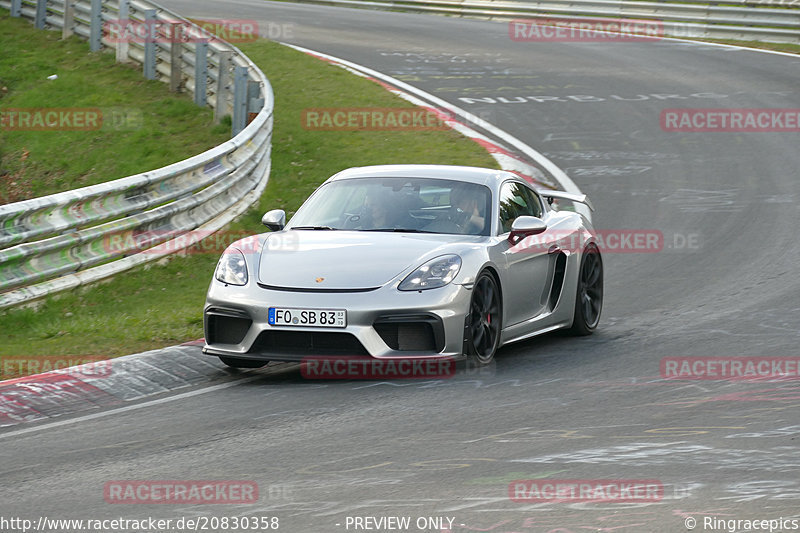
<point x="380" y="211"/>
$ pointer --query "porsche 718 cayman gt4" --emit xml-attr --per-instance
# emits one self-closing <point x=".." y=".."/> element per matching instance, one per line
<point x="404" y="262"/>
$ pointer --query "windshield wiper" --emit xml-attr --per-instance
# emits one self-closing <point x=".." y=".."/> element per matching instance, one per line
<point x="399" y="230"/>
<point x="313" y="227"/>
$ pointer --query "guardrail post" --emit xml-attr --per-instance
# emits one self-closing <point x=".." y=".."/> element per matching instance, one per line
<point x="36" y="270"/>
<point x="69" y="19"/>
<point x="200" y="73"/>
<point x="150" y="45"/>
<point x="254" y="101"/>
<point x="239" y="100"/>
<point x="122" y="43"/>
<point x="41" y="14"/>
<point x="223" y="84"/>
<point x="96" y="29"/>
<point x="175" y="55"/>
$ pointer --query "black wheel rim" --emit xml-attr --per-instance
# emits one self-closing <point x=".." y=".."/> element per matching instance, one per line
<point x="591" y="293"/>
<point x="485" y="318"/>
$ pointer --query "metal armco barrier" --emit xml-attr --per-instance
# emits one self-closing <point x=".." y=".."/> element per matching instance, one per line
<point x="64" y="240"/>
<point x="751" y="20"/>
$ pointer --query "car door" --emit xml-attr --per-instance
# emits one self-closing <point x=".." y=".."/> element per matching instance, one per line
<point x="529" y="262"/>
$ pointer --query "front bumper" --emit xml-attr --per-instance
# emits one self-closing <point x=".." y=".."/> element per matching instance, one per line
<point x="383" y="323"/>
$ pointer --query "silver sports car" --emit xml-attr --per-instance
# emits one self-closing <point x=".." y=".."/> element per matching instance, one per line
<point x="406" y="262"/>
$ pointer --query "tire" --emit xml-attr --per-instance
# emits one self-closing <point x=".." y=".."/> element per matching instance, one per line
<point x="484" y="321"/>
<point x="589" y="297"/>
<point x="236" y="362"/>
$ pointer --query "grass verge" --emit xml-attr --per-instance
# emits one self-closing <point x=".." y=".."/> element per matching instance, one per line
<point x="162" y="305"/>
<point x="788" y="48"/>
<point x="143" y="124"/>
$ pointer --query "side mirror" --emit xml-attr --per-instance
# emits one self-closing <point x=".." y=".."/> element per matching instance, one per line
<point x="275" y="220"/>
<point x="525" y="226"/>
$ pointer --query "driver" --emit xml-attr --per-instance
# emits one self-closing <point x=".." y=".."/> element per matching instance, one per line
<point x="464" y="210"/>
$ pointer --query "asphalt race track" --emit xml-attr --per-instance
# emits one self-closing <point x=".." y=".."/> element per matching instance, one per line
<point x="723" y="283"/>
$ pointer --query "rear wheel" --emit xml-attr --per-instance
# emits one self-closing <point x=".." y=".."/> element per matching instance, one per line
<point x="589" y="299"/>
<point x="484" y="320"/>
<point x="236" y="362"/>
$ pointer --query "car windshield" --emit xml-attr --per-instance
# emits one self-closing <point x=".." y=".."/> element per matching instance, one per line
<point x="415" y="205"/>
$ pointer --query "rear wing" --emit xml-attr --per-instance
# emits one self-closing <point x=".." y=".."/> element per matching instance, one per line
<point x="563" y="195"/>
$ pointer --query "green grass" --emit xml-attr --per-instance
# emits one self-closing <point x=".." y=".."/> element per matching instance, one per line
<point x="778" y="47"/>
<point x="145" y="126"/>
<point x="162" y="305"/>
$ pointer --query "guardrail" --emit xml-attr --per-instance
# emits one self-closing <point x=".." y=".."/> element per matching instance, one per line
<point x="64" y="240"/>
<point x="764" y="20"/>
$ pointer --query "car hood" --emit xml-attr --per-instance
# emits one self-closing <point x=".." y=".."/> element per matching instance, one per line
<point x="324" y="260"/>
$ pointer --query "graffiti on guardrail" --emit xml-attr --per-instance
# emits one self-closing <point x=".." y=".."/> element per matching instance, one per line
<point x="751" y="20"/>
<point x="75" y="223"/>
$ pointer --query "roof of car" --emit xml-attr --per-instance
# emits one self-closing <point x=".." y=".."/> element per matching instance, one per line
<point x="452" y="172"/>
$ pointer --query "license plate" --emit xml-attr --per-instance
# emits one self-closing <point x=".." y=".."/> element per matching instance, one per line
<point x="320" y="318"/>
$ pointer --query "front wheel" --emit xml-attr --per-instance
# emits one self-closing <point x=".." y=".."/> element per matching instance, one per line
<point x="236" y="362"/>
<point x="589" y="299"/>
<point x="484" y="320"/>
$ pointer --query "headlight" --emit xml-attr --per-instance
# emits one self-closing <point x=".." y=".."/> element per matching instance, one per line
<point x="231" y="268"/>
<point x="436" y="273"/>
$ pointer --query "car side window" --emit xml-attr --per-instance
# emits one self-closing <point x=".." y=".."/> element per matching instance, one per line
<point x="517" y="200"/>
<point x="535" y="203"/>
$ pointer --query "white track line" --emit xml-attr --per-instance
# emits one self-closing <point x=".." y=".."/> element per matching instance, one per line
<point x="559" y="175"/>
<point x="732" y="46"/>
<point x="126" y="408"/>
